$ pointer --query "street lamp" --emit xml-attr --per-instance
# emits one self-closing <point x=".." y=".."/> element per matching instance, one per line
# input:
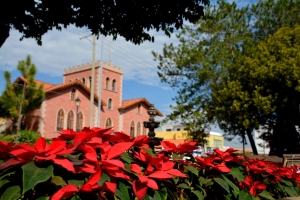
<point x="77" y="103"/>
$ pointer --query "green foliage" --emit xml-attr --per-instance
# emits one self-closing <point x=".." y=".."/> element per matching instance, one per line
<point x="238" y="68"/>
<point x="22" y="97"/>
<point x="33" y="175"/>
<point x="26" y="136"/>
<point x="34" y="18"/>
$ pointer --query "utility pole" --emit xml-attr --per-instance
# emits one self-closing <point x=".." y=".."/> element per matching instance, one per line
<point x="100" y="85"/>
<point x="92" y="81"/>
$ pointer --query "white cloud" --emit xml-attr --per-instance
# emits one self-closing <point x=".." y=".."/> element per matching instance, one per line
<point x="62" y="49"/>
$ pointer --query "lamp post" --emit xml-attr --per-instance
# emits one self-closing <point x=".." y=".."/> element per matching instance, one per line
<point x="77" y="103"/>
<point x="152" y="124"/>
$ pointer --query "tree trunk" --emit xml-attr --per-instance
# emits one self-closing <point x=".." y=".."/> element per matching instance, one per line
<point x="4" y="33"/>
<point x="251" y="140"/>
<point x="285" y="138"/>
<point x="20" y="114"/>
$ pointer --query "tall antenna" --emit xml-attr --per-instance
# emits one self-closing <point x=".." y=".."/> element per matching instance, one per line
<point x="92" y="79"/>
<point x="100" y="86"/>
<point x="110" y="41"/>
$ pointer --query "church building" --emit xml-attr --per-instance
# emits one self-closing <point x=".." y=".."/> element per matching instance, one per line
<point x="60" y="111"/>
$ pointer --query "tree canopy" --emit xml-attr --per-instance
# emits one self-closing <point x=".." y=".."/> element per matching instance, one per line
<point x="21" y="98"/>
<point x="217" y="68"/>
<point x="130" y="19"/>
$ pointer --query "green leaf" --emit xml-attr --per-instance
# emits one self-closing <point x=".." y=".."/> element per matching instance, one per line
<point x="122" y="192"/>
<point x="149" y="151"/>
<point x="266" y="195"/>
<point x="1" y="162"/>
<point x="223" y="184"/>
<point x="163" y="193"/>
<point x="232" y="185"/>
<point x="43" y="198"/>
<point x="3" y="182"/>
<point x="177" y="156"/>
<point x="192" y="169"/>
<point x="57" y="180"/>
<point x="183" y="185"/>
<point x="125" y="156"/>
<point x="236" y="173"/>
<point x="291" y="191"/>
<point x="288" y="183"/>
<point x="244" y="195"/>
<point x="156" y="196"/>
<point x="8" y="174"/>
<point x="198" y="194"/>
<point x="203" y="181"/>
<point x="103" y="179"/>
<point x="171" y="194"/>
<point x="11" y="193"/>
<point x="77" y="183"/>
<point x="147" y="197"/>
<point x="76" y="197"/>
<point x="33" y="175"/>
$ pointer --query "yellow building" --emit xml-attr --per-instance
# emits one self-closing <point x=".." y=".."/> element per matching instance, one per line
<point x="215" y="140"/>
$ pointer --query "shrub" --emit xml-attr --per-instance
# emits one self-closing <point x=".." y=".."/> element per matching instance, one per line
<point x="103" y="164"/>
<point x="25" y="136"/>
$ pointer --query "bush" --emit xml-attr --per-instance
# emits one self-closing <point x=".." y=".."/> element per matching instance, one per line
<point x="25" y="136"/>
<point x="103" y="164"/>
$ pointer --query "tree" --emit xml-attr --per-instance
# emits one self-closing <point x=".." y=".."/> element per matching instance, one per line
<point x="205" y="55"/>
<point x="206" y="67"/>
<point x="273" y="75"/>
<point x="129" y="19"/>
<point x="19" y="100"/>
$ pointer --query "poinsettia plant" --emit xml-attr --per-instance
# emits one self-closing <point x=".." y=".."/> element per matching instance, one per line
<point x="104" y="164"/>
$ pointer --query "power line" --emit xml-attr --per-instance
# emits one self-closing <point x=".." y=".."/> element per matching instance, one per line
<point x="132" y="55"/>
<point x="145" y="69"/>
<point x="125" y="56"/>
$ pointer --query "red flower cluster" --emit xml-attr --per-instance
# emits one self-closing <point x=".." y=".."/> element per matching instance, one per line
<point x="273" y="173"/>
<point x="101" y="154"/>
<point x="218" y="160"/>
<point x="106" y="158"/>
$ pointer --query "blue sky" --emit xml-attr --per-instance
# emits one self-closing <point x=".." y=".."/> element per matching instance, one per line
<point x="62" y="49"/>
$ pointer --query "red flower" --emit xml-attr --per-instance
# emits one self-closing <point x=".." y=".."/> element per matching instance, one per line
<point x="165" y="171"/>
<point x="253" y="186"/>
<point x="209" y="162"/>
<point x="186" y="147"/>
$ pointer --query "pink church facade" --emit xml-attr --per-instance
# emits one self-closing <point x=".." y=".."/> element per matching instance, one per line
<point x="58" y="110"/>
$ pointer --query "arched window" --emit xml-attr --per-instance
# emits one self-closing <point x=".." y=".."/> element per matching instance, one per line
<point x="80" y="121"/>
<point x="108" y="123"/>
<point x="70" y="120"/>
<point x="113" y="85"/>
<point x="139" y="109"/>
<point x="73" y="91"/>
<point x="138" y="129"/>
<point x="107" y="83"/>
<point x="60" y="120"/>
<point x="144" y="131"/>
<point x="83" y="81"/>
<point x="109" y="106"/>
<point x="90" y="79"/>
<point x="132" y="129"/>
